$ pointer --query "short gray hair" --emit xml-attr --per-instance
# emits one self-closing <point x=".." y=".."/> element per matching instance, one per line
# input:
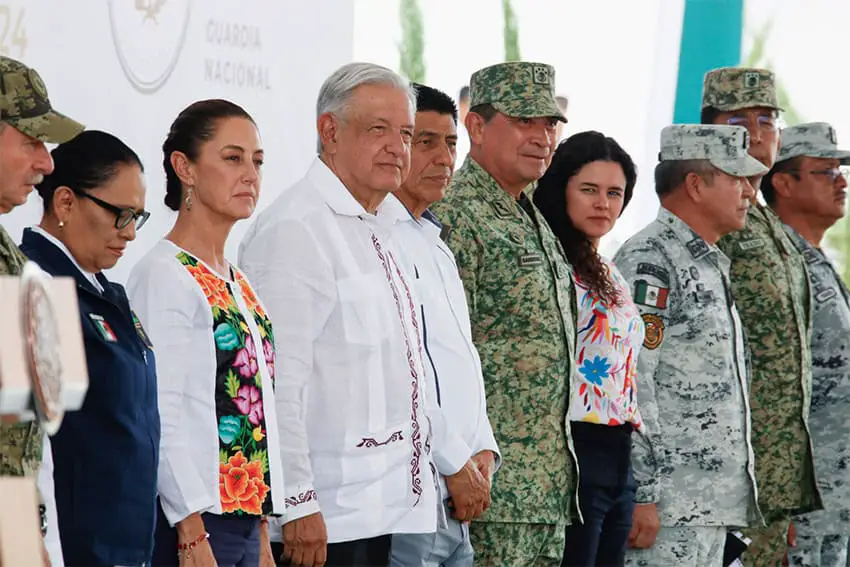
<point x="337" y="89"/>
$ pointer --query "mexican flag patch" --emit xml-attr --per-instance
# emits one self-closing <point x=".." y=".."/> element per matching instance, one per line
<point x="650" y="295"/>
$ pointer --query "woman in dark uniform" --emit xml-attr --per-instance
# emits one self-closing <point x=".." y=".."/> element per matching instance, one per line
<point x="106" y="454"/>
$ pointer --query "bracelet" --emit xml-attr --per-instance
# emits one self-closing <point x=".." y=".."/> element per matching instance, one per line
<point x="184" y="550"/>
<point x="264" y="520"/>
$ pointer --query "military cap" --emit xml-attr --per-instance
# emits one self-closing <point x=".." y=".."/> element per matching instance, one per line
<point x="724" y="146"/>
<point x="24" y="105"/>
<point x="813" y="139"/>
<point x="517" y="88"/>
<point x="733" y="88"/>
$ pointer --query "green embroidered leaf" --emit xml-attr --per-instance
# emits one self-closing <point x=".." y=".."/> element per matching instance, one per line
<point x="263" y="457"/>
<point x="231" y="384"/>
<point x="258" y="380"/>
<point x="237" y="448"/>
<point x="222" y="457"/>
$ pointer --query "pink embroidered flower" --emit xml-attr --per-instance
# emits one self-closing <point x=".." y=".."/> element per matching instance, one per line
<point x="246" y="359"/>
<point x="250" y="402"/>
<point x="268" y="350"/>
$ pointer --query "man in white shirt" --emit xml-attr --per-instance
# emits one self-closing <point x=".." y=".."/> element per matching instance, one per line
<point x="351" y="399"/>
<point x="465" y="450"/>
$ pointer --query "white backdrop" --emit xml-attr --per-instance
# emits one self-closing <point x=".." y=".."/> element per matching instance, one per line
<point x="106" y="63"/>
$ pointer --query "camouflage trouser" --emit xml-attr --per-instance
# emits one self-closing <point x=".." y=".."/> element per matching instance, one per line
<point x="20" y="449"/>
<point x="517" y="545"/>
<point x="819" y="551"/>
<point x="682" y="546"/>
<point x="768" y="546"/>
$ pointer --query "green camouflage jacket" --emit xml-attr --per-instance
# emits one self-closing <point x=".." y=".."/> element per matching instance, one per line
<point x="20" y="444"/>
<point x="522" y="306"/>
<point x="771" y="290"/>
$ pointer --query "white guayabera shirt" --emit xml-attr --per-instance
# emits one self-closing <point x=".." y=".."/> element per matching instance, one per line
<point x="351" y="403"/>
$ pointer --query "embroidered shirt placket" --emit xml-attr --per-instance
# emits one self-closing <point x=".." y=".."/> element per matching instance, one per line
<point x="416" y="434"/>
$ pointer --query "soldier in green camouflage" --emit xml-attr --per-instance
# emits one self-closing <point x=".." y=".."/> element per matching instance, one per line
<point x="771" y="289"/>
<point x="27" y="121"/>
<point x="807" y="190"/>
<point x="522" y="306"/>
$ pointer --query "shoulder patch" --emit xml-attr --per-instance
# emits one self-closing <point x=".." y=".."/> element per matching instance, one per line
<point x="653" y="331"/>
<point x="650" y="295"/>
<point x="697" y="247"/>
<point x="646" y="269"/>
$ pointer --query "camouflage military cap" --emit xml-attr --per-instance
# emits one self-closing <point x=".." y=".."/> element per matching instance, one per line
<point x="734" y="88"/>
<point x="24" y="105"/>
<point x="813" y="139"/>
<point x="518" y="88"/>
<point x="724" y="146"/>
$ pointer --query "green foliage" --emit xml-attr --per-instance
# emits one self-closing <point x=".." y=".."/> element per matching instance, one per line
<point x="412" y="47"/>
<point x="511" y="32"/>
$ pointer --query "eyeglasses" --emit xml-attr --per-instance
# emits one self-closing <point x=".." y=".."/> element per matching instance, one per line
<point x="764" y="122"/>
<point x="833" y="173"/>
<point x="123" y="217"/>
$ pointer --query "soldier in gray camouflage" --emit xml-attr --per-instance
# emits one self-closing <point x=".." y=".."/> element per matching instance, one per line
<point x="771" y="291"/>
<point x="522" y="309"/>
<point x="807" y="190"/>
<point x="694" y="465"/>
<point x="27" y="120"/>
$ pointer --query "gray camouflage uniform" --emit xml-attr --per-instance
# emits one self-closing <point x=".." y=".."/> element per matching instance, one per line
<point x="823" y="537"/>
<point x="695" y="461"/>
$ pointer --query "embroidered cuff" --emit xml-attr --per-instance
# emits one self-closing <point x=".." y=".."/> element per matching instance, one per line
<point x="302" y="502"/>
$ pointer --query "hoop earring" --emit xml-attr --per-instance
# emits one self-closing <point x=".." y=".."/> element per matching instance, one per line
<point x="189" y="198"/>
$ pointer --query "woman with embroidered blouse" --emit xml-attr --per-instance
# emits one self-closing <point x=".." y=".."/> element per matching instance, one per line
<point x="220" y="474"/>
<point x="585" y="189"/>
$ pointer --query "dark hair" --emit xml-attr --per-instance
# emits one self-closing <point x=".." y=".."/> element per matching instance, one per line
<point x="708" y="115"/>
<point x="89" y="160"/>
<point x="487" y="111"/>
<point x="464" y="93"/>
<point x="767" y="189"/>
<point x="551" y="198"/>
<point x="672" y="173"/>
<point x="430" y="99"/>
<point x="195" y="125"/>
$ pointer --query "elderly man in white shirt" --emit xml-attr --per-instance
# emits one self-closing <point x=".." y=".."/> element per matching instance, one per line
<point x="351" y="392"/>
<point x="465" y="450"/>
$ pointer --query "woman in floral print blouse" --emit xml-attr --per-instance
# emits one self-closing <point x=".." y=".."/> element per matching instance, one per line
<point x="587" y="186"/>
<point x="219" y="473"/>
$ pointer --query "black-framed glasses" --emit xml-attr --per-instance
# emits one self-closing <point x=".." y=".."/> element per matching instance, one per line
<point x="833" y="173"/>
<point x="123" y="216"/>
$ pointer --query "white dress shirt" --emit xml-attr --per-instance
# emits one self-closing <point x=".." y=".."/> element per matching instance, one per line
<point x="179" y="320"/>
<point x="354" y="433"/>
<point x="460" y="423"/>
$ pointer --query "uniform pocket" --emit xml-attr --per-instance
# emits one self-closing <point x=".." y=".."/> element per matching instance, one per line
<point x="363" y="313"/>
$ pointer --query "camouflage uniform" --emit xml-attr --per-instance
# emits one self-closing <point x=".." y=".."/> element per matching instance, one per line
<point x="24" y="105"/>
<point x="695" y="460"/>
<point x="522" y="308"/>
<point x="771" y="290"/>
<point x="20" y="443"/>
<point x="823" y="536"/>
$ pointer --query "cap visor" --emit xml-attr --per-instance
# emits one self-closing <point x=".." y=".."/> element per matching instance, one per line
<point x="746" y="166"/>
<point x="51" y="127"/>
<point x="530" y="109"/>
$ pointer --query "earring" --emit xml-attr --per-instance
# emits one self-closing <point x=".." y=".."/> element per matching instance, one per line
<point x="189" y="198"/>
<point x="61" y="225"/>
